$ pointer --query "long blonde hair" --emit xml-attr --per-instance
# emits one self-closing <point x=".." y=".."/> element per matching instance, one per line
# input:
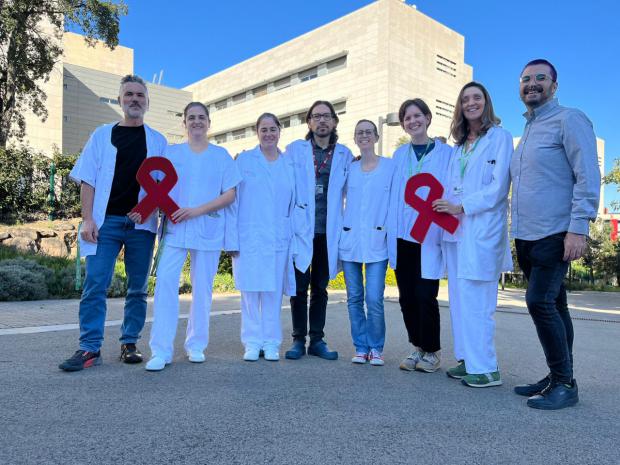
<point x="460" y="126"/>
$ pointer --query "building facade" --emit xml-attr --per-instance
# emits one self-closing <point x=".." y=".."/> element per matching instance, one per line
<point x="366" y="63"/>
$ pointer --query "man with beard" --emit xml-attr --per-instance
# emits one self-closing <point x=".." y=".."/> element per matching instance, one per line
<point x="106" y="171"/>
<point x="555" y="194"/>
<point x="321" y="167"/>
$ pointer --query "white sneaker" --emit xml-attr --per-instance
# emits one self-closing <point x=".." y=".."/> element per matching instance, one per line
<point x="359" y="358"/>
<point x="251" y="354"/>
<point x="156" y="364"/>
<point x="410" y="363"/>
<point x="271" y="353"/>
<point x="376" y="358"/>
<point x="429" y="362"/>
<point x="196" y="356"/>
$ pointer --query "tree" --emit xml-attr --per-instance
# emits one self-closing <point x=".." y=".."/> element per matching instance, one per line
<point x="614" y="178"/>
<point x="30" y="45"/>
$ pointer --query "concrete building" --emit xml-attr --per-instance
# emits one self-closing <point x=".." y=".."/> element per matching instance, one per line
<point x="83" y="94"/>
<point x="366" y="63"/>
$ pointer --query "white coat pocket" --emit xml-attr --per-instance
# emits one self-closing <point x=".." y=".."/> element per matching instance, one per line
<point x="347" y="239"/>
<point x="378" y="239"/>
<point x="212" y="226"/>
<point x="487" y="175"/>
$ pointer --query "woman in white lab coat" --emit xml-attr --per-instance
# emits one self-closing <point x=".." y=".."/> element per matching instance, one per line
<point x="206" y="187"/>
<point x="363" y="243"/>
<point x="263" y="268"/>
<point x="478" y="252"/>
<point x="418" y="267"/>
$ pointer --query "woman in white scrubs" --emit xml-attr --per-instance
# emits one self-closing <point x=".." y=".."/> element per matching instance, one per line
<point x="478" y="252"/>
<point x="206" y="187"/>
<point x="263" y="268"/>
<point x="418" y="266"/>
<point x="363" y="243"/>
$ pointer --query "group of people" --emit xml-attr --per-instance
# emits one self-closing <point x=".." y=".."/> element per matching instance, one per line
<point x="292" y="219"/>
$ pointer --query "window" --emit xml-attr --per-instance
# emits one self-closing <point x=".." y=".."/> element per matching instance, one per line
<point x="112" y="101"/>
<point x="308" y="74"/>
<point x="65" y="118"/>
<point x="286" y="122"/>
<point x="282" y="83"/>
<point x="238" y="98"/>
<point x="260" y="91"/>
<point x="221" y="104"/>
<point x="340" y="108"/>
<point x="174" y="113"/>
<point x="220" y="138"/>
<point x="338" y="63"/>
<point x="238" y="134"/>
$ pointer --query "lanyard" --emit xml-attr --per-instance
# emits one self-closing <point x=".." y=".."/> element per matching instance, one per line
<point x="420" y="161"/>
<point x="328" y="157"/>
<point x="466" y="155"/>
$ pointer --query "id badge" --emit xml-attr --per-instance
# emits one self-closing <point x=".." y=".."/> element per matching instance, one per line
<point x="457" y="191"/>
<point x="318" y="189"/>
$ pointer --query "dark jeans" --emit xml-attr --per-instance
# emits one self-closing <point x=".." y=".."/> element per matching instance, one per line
<point x="541" y="261"/>
<point x="417" y="297"/>
<point x="317" y="277"/>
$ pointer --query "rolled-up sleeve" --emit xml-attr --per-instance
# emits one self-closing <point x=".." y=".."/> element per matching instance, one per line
<point x="580" y="146"/>
<point x="86" y="166"/>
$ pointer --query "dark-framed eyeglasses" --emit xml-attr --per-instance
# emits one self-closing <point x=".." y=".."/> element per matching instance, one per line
<point x="319" y="116"/>
<point x="540" y="77"/>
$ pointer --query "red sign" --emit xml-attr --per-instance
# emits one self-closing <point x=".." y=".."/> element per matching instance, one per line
<point x="426" y="215"/>
<point x="156" y="193"/>
<point x="614" y="229"/>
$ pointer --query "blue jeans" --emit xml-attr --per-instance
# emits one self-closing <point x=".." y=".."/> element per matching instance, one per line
<point x="543" y="266"/>
<point x="116" y="232"/>
<point x="367" y="330"/>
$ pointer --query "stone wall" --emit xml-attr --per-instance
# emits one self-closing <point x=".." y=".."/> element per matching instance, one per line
<point x="54" y="238"/>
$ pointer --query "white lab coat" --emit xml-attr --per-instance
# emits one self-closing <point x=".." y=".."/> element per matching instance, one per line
<point x="300" y="151"/>
<point x="402" y="216"/>
<point x="202" y="178"/>
<point x="363" y="238"/>
<point x="262" y="231"/>
<point x="483" y="250"/>
<point x="95" y="167"/>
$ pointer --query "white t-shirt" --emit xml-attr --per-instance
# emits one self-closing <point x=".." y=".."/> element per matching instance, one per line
<point x="363" y="236"/>
<point x="202" y="178"/>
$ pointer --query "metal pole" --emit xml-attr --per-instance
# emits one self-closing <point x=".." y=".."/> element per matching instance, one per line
<point x="380" y="128"/>
<point x="51" y="196"/>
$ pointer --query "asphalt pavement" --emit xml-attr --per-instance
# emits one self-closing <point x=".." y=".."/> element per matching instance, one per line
<point x="227" y="411"/>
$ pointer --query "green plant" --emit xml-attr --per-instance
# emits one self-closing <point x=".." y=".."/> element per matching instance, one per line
<point x="22" y="279"/>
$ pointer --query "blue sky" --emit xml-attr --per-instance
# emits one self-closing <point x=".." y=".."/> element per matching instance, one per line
<point x="191" y="40"/>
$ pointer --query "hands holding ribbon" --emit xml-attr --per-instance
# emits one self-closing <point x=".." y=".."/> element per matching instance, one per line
<point x="443" y="206"/>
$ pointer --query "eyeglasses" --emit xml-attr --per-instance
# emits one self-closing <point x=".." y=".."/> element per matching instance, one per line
<point x="537" y="77"/>
<point x="319" y="116"/>
<point x="367" y="133"/>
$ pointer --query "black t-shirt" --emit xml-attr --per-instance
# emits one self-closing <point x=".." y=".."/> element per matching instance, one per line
<point x="421" y="150"/>
<point x="130" y="143"/>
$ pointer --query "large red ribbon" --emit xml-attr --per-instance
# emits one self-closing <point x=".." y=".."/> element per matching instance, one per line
<point x="426" y="215"/>
<point x="156" y="193"/>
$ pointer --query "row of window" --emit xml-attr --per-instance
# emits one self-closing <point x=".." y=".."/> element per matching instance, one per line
<point x="445" y="65"/>
<point x="287" y="121"/>
<point x="281" y="83"/>
<point x="111" y="101"/>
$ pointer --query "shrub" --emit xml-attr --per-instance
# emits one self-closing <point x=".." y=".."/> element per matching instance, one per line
<point x="22" y="279"/>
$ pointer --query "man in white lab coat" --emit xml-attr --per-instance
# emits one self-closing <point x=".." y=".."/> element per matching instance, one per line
<point x="106" y="171"/>
<point x="321" y="166"/>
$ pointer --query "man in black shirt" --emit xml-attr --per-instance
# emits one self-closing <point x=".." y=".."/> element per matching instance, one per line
<point x="106" y="171"/>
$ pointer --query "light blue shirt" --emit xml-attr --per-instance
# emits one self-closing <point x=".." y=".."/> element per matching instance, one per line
<point x="555" y="175"/>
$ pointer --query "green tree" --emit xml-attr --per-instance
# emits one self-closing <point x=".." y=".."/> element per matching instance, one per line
<point x="614" y="178"/>
<point x="30" y="45"/>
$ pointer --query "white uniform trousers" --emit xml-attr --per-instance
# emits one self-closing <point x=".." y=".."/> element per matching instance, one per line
<point x="260" y="312"/>
<point x="472" y="308"/>
<point x="203" y="266"/>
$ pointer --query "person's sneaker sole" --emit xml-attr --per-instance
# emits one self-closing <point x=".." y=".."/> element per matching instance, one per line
<point x="404" y="367"/>
<point x="569" y="403"/>
<point x="453" y="376"/>
<point x="426" y="370"/>
<point x="499" y="382"/>
<point x="88" y="364"/>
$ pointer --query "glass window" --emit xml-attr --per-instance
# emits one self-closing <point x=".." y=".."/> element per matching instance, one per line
<point x="282" y="83"/>
<point x="239" y="98"/>
<point x="337" y="64"/>
<point x="260" y="91"/>
<point x="308" y="74"/>
<point x="221" y="104"/>
<point x="238" y="134"/>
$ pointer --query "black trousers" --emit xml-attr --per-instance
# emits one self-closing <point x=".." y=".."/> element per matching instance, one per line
<point x="417" y="297"/>
<point x="543" y="265"/>
<point x="317" y="277"/>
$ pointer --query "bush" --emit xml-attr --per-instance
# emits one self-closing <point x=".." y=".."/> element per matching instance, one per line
<point x="22" y="279"/>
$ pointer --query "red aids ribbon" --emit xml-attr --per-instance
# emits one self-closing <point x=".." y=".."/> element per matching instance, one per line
<point x="614" y="230"/>
<point x="156" y="193"/>
<point x="426" y="215"/>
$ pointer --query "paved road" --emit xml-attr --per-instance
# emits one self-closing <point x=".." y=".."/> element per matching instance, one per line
<point x="227" y="411"/>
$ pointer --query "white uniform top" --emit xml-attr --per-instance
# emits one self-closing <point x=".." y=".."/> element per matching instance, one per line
<point x="202" y="178"/>
<point x="363" y="237"/>
<point x="263" y="223"/>
<point x="482" y="237"/>
<point x="402" y="216"/>
<point x="95" y="167"/>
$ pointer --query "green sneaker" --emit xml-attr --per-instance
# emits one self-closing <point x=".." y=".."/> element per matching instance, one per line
<point x="458" y="371"/>
<point x="483" y="380"/>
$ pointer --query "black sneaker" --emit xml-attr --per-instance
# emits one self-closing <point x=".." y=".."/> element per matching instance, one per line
<point x="81" y="359"/>
<point x="130" y="354"/>
<point x="555" y="396"/>
<point x="529" y="390"/>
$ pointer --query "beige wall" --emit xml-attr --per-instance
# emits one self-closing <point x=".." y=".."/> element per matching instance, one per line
<point x="391" y="53"/>
<point x="101" y="58"/>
